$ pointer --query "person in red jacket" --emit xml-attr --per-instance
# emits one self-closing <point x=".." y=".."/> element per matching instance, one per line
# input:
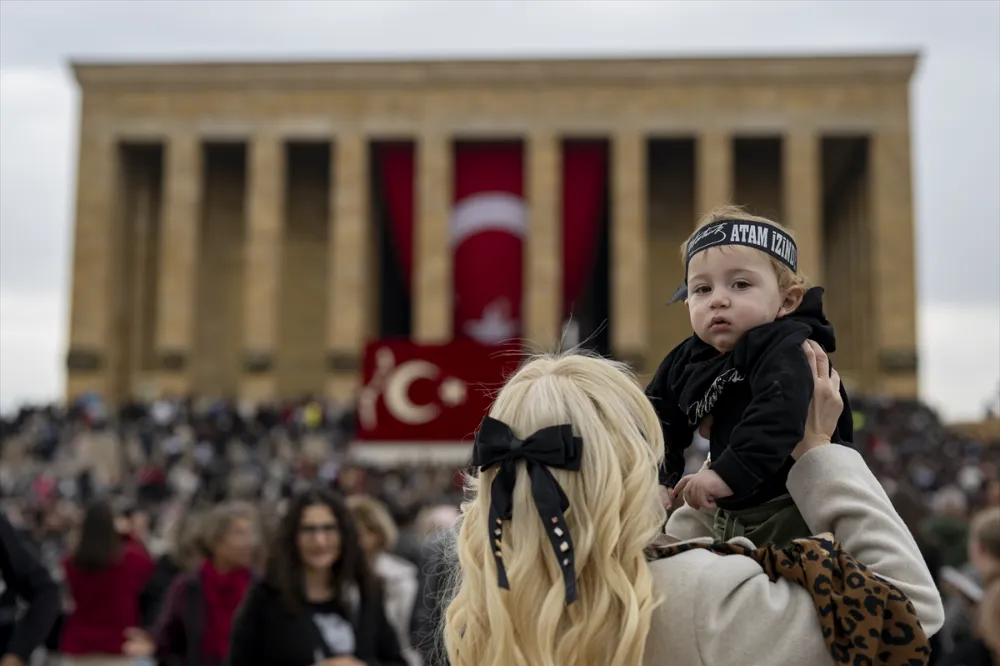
<point x="194" y="626"/>
<point x="105" y="575"/>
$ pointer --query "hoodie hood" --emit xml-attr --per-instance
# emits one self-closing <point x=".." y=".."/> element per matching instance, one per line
<point x="810" y="312"/>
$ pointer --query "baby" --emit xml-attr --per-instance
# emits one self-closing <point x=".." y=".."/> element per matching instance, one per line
<point x="742" y="378"/>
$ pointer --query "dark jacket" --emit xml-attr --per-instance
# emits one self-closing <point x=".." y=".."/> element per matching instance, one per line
<point x="758" y="395"/>
<point x="266" y="632"/>
<point x="24" y="577"/>
<point x="154" y="595"/>
<point x="179" y="629"/>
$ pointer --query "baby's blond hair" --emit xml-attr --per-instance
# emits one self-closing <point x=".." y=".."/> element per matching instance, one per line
<point x="787" y="278"/>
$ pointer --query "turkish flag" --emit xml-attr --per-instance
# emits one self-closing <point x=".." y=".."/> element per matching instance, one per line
<point x="488" y="228"/>
<point x="429" y="393"/>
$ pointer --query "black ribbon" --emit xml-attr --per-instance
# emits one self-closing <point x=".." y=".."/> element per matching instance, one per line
<point x="758" y="235"/>
<point x="555" y="446"/>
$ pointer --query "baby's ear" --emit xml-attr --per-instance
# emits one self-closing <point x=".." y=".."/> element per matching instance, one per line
<point x="792" y="301"/>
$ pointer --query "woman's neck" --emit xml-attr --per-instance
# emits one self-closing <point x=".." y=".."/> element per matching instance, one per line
<point x="319" y="584"/>
<point x="222" y="566"/>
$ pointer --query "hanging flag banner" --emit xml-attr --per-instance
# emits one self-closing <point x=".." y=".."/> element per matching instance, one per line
<point x="421" y="393"/>
<point x="395" y="168"/>
<point x="489" y="226"/>
<point x="489" y="223"/>
<point x="584" y="192"/>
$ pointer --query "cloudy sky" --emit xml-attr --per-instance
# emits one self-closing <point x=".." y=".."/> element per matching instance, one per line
<point x="956" y="95"/>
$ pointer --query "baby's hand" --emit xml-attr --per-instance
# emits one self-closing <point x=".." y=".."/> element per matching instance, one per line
<point x="702" y="489"/>
<point x="667" y="497"/>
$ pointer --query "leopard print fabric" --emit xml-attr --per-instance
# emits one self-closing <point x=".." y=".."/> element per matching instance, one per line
<point x="865" y="619"/>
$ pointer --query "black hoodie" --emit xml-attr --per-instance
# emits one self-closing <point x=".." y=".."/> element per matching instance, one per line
<point x="24" y="578"/>
<point x="758" y="395"/>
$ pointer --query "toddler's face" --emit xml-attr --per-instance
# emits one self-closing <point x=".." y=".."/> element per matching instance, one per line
<point x="732" y="289"/>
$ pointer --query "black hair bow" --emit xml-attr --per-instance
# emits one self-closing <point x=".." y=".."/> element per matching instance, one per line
<point x="554" y="446"/>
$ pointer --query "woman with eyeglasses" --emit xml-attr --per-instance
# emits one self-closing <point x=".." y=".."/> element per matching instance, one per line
<point x="317" y="604"/>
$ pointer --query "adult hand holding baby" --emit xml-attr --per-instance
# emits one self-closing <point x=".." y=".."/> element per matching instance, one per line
<point x="826" y="404"/>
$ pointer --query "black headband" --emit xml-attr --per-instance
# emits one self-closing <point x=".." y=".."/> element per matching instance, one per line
<point x="554" y="446"/>
<point x="758" y="235"/>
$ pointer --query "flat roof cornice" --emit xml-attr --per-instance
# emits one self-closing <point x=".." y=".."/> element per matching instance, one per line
<point x="421" y="73"/>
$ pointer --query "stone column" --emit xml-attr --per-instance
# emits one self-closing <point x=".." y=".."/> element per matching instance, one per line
<point x="143" y="261"/>
<point x="264" y="240"/>
<point x="432" y="254"/>
<point x="892" y="262"/>
<point x="543" y="266"/>
<point x="180" y="231"/>
<point x="803" y="199"/>
<point x="629" y="245"/>
<point x="713" y="171"/>
<point x="350" y="257"/>
<point x="90" y="343"/>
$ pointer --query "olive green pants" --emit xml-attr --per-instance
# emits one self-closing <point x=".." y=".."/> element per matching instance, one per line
<point x="777" y="523"/>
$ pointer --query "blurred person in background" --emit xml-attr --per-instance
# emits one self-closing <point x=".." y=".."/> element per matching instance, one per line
<point x="104" y="575"/>
<point x="318" y="604"/>
<point x="136" y="523"/>
<point x="949" y="525"/>
<point x="983" y="647"/>
<point x="194" y="625"/>
<point x="183" y="553"/>
<point x="379" y="535"/>
<point x="910" y="508"/>
<point x="993" y="493"/>
<point x="23" y="578"/>
<point x="984" y="551"/>
<point x="437" y="526"/>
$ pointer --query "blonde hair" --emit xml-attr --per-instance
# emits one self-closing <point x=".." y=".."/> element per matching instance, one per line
<point x="614" y="514"/>
<point x="986" y="531"/>
<point x="787" y="278"/>
<point x="221" y="517"/>
<point x="374" y="517"/>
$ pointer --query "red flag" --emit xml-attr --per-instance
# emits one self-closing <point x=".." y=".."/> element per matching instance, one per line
<point x="488" y="227"/>
<point x="584" y="173"/>
<point x="436" y="393"/>
<point x="395" y="164"/>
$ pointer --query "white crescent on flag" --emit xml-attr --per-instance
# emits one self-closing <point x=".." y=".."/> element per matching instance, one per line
<point x="397" y="393"/>
<point x="495" y="211"/>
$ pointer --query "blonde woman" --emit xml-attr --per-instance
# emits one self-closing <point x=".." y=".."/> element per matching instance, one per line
<point x="554" y="546"/>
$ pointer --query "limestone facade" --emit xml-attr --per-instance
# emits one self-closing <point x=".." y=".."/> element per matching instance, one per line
<point x="239" y="254"/>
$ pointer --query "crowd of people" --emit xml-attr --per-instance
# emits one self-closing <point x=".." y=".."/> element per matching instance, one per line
<point x="204" y="495"/>
<point x="174" y="476"/>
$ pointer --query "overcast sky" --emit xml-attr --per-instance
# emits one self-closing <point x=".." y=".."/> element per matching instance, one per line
<point x="956" y="121"/>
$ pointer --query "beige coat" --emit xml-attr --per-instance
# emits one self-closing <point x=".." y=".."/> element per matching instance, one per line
<point x="723" y="610"/>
